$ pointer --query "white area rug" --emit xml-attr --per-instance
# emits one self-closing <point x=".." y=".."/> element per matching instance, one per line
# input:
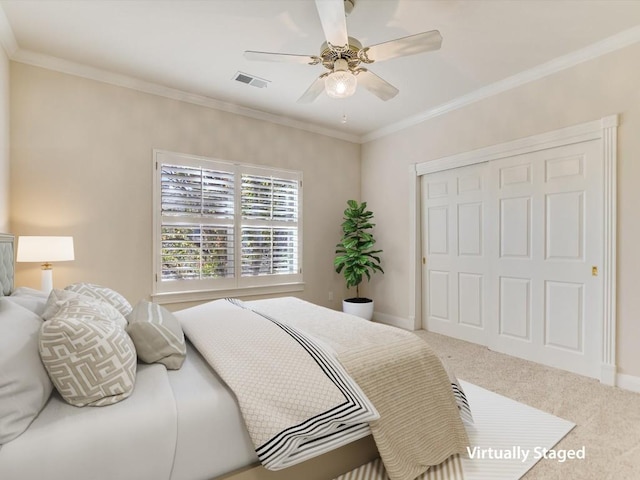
<point x="510" y="438"/>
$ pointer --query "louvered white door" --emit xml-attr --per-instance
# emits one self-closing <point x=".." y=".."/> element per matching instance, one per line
<point x="512" y="250"/>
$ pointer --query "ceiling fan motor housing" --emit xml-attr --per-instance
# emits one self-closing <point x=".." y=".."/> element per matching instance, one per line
<point x="329" y="54"/>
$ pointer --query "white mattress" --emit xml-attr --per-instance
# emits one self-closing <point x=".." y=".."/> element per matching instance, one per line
<point x="212" y="439"/>
<point x="133" y="439"/>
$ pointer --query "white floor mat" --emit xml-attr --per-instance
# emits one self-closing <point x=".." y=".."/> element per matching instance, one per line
<point x="509" y="438"/>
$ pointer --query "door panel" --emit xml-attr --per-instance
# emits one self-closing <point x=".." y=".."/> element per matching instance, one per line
<point x="470" y="229"/>
<point x="515" y="227"/>
<point x="565" y="226"/>
<point x="515" y="308"/>
<point x="470" y="299"/>
<point x="439" y="295"/>
<point x="564" y="315"/>
<point x="438" y="225"/>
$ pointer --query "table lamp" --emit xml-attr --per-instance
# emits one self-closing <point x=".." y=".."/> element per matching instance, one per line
<point x="45" y="250"/>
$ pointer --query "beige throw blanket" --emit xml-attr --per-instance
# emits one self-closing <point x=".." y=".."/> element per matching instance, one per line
<point x="420" y="424"/>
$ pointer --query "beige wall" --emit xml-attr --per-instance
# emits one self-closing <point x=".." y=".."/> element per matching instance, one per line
<point x="4" y="141"/>
<point x="589" y="91"/>
<point x="81" y="158"/>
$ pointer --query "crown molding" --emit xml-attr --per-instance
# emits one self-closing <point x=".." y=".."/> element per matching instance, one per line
<point x="105" y="76"/>
<point x="7" y="37"/>
<point x="608" y="45"/>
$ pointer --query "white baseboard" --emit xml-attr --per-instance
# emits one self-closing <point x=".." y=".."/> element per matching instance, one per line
<point x="394" y="321"/>
<point x="609" y="375"/>
<point x="628" y="382"/>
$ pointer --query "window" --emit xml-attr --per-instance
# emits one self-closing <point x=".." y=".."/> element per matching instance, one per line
<point x="224" y="226"/>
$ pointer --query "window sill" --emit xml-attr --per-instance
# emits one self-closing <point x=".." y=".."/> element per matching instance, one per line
<point x="166" y="298"/>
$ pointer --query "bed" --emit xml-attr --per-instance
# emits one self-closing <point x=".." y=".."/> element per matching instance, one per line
<point x="187" y="424"/>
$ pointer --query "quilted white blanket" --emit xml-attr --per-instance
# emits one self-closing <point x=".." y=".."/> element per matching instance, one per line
<point x="314" y="407"/>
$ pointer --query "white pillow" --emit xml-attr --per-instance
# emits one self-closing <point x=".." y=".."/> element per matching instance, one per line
<point x="29" y="298"/>
<point x="24" y="384"/>
<point x="60" y="298"/>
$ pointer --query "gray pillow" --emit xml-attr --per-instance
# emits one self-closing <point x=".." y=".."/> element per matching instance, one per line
<point x="24" y="384"/>
<point x="102" y="293"/>
<point x="157" y="335"/>
<point x="90" y="358"/>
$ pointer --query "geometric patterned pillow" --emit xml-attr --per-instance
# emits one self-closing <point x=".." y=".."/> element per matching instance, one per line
<point x="157" y="335"/>
<point x="63" y="298"/>
<point x="90" y="359"/>
<point x="102" y="293"/>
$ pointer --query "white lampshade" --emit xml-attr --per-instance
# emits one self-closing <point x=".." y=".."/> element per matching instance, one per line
<point x="45" y="250"/>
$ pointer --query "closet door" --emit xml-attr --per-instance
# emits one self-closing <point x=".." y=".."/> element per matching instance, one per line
<point x="455" y="255"/>
<point x="511" y="254"/>
<point x="546" y="224"/>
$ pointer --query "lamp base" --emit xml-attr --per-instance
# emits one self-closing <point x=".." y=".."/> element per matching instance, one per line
<point x="46" y="284"/>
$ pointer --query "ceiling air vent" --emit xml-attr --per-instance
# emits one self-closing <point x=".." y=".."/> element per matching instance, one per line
<point x="251" y="80"/>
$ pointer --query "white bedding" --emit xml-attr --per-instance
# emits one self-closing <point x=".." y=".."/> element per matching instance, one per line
<point x="188" y="413"/>
<point x="133" y="439"/>
<point x="177" y="425"/>
<point x="212" y="439"/>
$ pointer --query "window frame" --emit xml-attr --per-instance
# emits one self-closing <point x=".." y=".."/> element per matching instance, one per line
<point x="171" y="291"/>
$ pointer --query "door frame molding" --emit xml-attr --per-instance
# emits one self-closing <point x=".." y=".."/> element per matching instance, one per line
<point x="605" y="130"/>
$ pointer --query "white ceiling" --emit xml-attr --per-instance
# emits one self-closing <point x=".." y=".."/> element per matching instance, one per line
<point x="197" y="47"/>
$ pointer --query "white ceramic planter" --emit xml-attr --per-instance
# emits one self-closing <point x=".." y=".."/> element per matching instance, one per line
<point x="362" y="310"/>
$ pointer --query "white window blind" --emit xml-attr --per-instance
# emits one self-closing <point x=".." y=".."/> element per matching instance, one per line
<point x="222" y="226"/>
<point x="269" y="225"/>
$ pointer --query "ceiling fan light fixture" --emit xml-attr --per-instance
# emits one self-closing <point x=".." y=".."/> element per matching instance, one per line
<point x="341" y="83"/>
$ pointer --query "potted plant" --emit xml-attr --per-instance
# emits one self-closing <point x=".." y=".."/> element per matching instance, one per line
<point x="355" y="256"/>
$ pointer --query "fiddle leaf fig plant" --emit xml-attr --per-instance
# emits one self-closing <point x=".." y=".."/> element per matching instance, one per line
<point x="355" y="255"/>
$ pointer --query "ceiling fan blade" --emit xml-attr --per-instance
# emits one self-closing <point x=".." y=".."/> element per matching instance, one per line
<point x="313" y="91"/>
<point x="333" y="21"/>
<point x="376" y="85"/>
<point x="281" y="57"/>
<point x="419" y="43"/>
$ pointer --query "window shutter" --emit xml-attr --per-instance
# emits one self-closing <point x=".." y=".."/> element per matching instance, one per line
<point x="269" y="198"/>
<point x="197" y="192"/>
<point x="269" y="251"/>
<point x="197" y="252"/>
<point x="269" y="225"/>
<point x="197" y="235"/>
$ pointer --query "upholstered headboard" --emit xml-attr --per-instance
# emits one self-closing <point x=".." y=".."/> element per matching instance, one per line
<point x="7" y="259"/>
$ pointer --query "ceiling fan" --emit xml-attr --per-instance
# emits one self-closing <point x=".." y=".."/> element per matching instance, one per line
<point x="343" y="56"/>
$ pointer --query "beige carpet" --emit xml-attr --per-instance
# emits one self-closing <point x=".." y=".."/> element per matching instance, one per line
<point x="607" y="418"/>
